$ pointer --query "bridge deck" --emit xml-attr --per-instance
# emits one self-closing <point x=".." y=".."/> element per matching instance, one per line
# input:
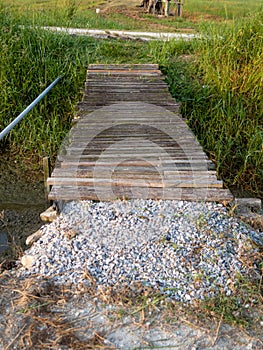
<point x="131" y="142"/>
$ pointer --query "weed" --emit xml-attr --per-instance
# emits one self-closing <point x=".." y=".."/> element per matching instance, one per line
<point x="236" y="309"/>
<point x="201" y="222"/>
<point x="71" y="8"/>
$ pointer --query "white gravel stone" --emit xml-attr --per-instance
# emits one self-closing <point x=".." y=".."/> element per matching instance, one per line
<point x="188" y="250"/>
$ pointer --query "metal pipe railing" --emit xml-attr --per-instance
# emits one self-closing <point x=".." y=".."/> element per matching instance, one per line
<point x="28" y="109"/>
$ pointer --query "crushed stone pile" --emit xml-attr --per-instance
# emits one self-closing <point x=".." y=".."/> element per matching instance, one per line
<point x="187" y="250"/>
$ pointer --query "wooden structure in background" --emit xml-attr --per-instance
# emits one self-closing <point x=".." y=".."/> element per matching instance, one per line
<point x="162" y="7"/>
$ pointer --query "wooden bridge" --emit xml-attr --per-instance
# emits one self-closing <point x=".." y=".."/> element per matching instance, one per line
<point x="131" y="142"/>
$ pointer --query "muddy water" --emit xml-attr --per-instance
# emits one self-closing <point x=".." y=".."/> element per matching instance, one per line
<point x="21" y="202"/>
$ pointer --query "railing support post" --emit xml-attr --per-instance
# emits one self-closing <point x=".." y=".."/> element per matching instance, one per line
<point x="46" y="168"/>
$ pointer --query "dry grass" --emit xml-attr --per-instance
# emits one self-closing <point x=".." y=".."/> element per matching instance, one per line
<point x="31" y="320"/>
<point x="41" y="315"/>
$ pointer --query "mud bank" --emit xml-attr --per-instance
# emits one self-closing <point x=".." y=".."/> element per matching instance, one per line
<point x="21" y="201"/>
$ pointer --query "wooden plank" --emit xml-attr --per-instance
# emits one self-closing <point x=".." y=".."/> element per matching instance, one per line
<point x="123" y="66"/>
<point x="123" y="127"/>
<point x="122" y="123"/>
<point x="150" y="97"/>
<point x="117" y="73"/>
<point x="188" y="194"/>
<point x="133" y="153"/>
<point x="134" y="77"/>
<point x="125" y="169"/>
<point x="105" y="182"/>
<point x="131" y="150"/>
<point x="161" y="167"/>
<point x="160" y="102"/>
<point x="146" y="92"/>
<point x="139" y="162"/>
<point x="84" y="109"/>
<point x="130" y="176"/>
<point x="114" y="80"/>
<point x="102" y="102"/>
<point x="124" y="84"/>
<point x="152" y="180"/>
<point x="128" y="157"/>
<point x="151" y="91"/>
<point x="147" y="157"/>
<point x="181" y="141"/>
<point x="128" y="172"/>
<point x="132" y="139"/>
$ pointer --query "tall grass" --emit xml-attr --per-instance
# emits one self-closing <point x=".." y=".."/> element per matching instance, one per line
<point x="30" y="60"/>
<point x="222" y="94"/>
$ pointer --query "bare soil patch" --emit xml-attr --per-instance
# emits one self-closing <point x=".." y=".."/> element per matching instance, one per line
<point x="36" y="314"/>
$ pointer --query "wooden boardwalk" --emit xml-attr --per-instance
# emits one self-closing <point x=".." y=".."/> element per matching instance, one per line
<point x="131" y="142"/>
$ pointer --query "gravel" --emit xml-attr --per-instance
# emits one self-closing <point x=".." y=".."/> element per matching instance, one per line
<point x="187" y="250"/>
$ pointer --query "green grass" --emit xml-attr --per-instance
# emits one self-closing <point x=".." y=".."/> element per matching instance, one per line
<point x="236" y="310"/>
<point x="222" y="93"/>
<point x="224" y="10"/>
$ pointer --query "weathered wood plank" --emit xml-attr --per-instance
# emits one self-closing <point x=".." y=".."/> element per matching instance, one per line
<point x="105" y="182"/>
<point x="117" y="73"/>
<point x="96" y="149"/>
<point x="162" y="103"/>
<point x="141" y="162"/>
<point x="123" y="66"/>
<point x="132" y="171"/>
<point x="85" y="109"/>
<point x="127" y="86"/>
<point x="188" y="194"/>
<point x="181" y="141"/>
<point x="161" y="167"/>
<point x="127" y="157"/>
<point x="89" y="171"/>
<point x="113" y="80"/>
<point x="129" y="175"/>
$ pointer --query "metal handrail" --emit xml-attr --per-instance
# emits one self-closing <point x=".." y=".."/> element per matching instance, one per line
<point x="28" y="109"/>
